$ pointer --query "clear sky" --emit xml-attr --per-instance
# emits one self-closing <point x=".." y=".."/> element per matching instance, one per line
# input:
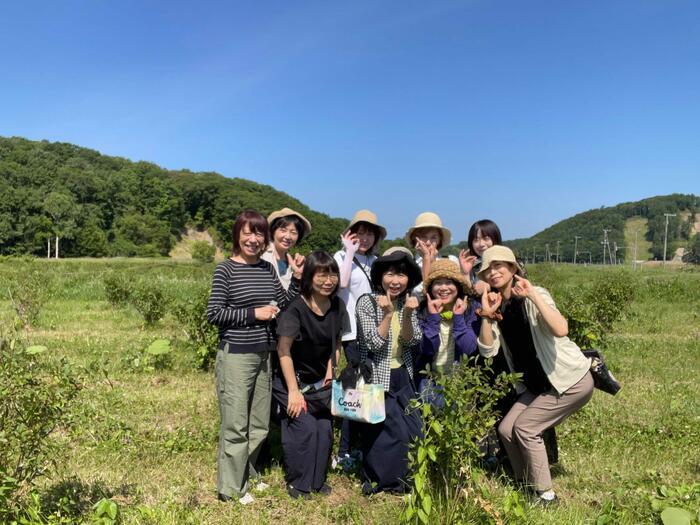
<point x="525" y="112"/>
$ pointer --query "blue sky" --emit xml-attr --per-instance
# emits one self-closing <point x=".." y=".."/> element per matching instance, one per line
<point x="522" y="112"/>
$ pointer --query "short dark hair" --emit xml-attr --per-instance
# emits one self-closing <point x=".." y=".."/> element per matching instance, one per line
<point x="460" y="289"/>
<point x="488" y="228"/>
<point x="256" y="223"/>
<point x="281" y="222"/>
<point x="317" y="261"/>
<point x="398" y="267"/>
<point x="368" y="226"/>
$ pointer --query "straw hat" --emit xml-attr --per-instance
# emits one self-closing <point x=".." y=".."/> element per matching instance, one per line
<point x="391" y="257"/>
<point x="370" y="218"/>
<point x="446" y="269"/>
<point x="429" y="219"/>
<point x="495" y="254"/>
<point x="286" y="212"/>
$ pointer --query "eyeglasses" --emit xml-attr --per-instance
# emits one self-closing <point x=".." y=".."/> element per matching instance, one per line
<point x="323" y="277"/>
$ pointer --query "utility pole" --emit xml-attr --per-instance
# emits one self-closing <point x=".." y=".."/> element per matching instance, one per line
<point x="634" y="263"/>
<point x="576" y="238"/>
<point x="547" y="256"/>
<point x="605" y="244"/>
<point x="558" y="252"/>
<point x="667" y="215"/>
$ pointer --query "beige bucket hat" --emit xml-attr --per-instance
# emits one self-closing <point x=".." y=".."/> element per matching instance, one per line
<point x="446" y="269"/>
<point x="428" y="219"/>
<point x="286" y="212"/>
<point x="370" y="218"/>
<point x="493" y="254"/>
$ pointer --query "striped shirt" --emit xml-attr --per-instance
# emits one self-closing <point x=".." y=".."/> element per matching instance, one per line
<point x="236" y="291"/>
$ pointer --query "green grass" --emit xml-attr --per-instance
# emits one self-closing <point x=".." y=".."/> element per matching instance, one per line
<point x="148" y="439"/>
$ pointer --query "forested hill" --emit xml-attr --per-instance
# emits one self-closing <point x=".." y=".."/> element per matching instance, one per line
<point x="109" y="206"/>
<point x="646" y="217"/>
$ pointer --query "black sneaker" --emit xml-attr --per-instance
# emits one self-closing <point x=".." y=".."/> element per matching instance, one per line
<point x="296" y="493"/>
<point x="325" y="489"/>
<point x="223" y="497"/>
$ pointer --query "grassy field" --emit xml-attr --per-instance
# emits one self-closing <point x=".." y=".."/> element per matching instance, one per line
<point x="147" y="438"/>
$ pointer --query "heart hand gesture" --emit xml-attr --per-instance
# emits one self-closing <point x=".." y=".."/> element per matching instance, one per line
<point x="466" y="261"/>
<point x="350" y="242"/>
<point x="490" y="302"/>
<point x="434" y="305"/>
<point x="459" y="307"/>
<point x="522" y="287"/>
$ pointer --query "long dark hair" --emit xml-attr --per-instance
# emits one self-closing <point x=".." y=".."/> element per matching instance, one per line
<point x="317" y="261"/>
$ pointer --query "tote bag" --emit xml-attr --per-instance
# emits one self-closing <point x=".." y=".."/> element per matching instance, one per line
<point x="364" y="403"/>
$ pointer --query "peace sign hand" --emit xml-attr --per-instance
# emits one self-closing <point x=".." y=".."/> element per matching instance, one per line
<point x="296" y="264"/>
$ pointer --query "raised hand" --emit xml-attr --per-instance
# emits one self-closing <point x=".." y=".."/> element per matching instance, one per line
<point x="296" y="263"/>
<point x="350" y="242"/>
<point x="459" y="307"/>
<point x="384" y="302"/>
<point x="411" y="303"/>
<point x="435" y="306"/>
<point x="266" y="313"/>
<point x="522" y="287"/>
<point x="490" y="302"/>
<point x="466" y="261"/>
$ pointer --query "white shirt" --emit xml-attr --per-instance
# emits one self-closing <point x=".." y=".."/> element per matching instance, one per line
<point x="358" y="286"/>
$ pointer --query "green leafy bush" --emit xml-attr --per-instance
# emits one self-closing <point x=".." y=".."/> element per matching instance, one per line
<point x="203" y="251"/>
<point x="445" y="460"/>
<point x="150" y="298"/>
<point x="202" y="337"/>
<point x="117" y="288"/>
<point x="28" y="290"/>
<point x="36" y="396"/>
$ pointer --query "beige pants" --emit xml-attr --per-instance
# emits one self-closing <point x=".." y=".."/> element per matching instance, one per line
<point x="522" y="427"/>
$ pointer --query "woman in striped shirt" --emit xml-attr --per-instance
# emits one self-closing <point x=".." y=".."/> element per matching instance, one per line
<point x="246" y="296"/>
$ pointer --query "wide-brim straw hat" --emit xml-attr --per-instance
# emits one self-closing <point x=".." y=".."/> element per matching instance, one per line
<point x="392" y="257"/>
<point x="370" y="218"/>
<point x="446" y="269"/>
<point x="286" y="212"/>
<point x="428" y="219"/>
<point x="495" y="254"/>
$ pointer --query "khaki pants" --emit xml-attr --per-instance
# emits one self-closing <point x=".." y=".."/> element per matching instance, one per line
<point x="522" y="427"/>
<point x="243" y="386"/>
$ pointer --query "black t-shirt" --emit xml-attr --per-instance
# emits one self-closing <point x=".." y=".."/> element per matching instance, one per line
<point x="313" y="336"/>
<point x="515" y="328"/>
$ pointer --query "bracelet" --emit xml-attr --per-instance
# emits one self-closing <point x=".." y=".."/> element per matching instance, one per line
<point x="495" y="316"/>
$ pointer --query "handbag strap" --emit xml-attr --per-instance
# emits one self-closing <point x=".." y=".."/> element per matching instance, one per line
<point x="357" y="262"/>
<point x="334" y="361"/>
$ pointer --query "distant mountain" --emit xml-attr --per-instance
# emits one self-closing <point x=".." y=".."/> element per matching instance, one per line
<point x="110" y="206"/>
<point x="643" y="220"/>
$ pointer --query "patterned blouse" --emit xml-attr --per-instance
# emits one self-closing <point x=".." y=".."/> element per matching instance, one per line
<point x="369" y="316"/>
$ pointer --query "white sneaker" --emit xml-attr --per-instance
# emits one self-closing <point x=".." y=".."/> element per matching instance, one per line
<point x="261" y="486"/>
<point x="247" y="499"/>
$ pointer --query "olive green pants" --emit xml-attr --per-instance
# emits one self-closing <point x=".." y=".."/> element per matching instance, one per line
<point x="243" y="386"/>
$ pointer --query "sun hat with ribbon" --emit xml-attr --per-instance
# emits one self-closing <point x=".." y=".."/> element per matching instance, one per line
<point x="370" y="218"/>
<point x="496" y="254"/>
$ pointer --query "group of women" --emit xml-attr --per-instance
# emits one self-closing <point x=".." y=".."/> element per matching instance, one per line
<point x="396" y="314"/>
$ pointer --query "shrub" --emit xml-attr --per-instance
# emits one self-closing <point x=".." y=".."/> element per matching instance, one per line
<point x="202" y="337"/>
<point x="28" y="291"/>
<point x="203" y="251"/>
<point x="445" y="459"/>
<point x="36" y="395"/>
<point x="150" y="299"/>
<point x="117" y="288"/>
<point x="611" y="297"/>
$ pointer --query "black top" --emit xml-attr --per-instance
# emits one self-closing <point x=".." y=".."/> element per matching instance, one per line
<point x="515" y="328"/>
<point x="313" y="336"/>
<point x="236" y="291"/>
